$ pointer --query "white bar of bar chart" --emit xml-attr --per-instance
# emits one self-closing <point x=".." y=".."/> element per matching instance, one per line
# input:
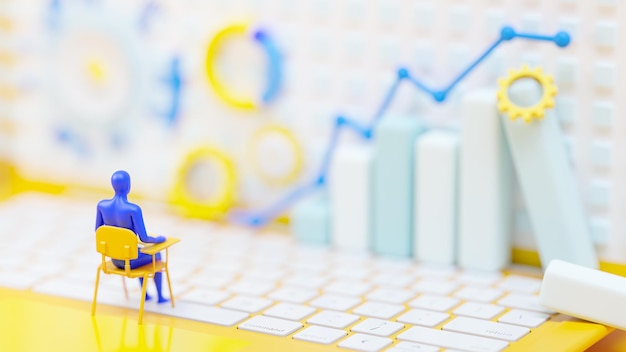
<point x="484" y="240"/>
<point x="435" y="197"/>
<point x="546" y="178"/>
<point x="350" y="197"/>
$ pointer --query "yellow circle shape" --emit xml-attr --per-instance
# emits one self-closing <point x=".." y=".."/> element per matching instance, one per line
<point x="274" y="131"/>
<point x="535" y="111"/>
<point x="213" y="51"/>
<point x="196" y="202"/>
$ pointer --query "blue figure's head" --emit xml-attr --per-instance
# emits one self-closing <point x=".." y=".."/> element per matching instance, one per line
<point x="121" y="182"/>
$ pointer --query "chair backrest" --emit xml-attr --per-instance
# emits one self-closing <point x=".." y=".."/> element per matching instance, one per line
<point x="116" y="242"/>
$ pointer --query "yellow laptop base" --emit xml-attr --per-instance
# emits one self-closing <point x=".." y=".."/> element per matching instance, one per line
<point x="34" y="322"/>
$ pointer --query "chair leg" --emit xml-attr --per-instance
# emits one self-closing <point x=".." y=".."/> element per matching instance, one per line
<point x="95" y="293"/>
<point x="143" y="298"/>
<point x="125" y="289"/>
<point x="169" y="284"/>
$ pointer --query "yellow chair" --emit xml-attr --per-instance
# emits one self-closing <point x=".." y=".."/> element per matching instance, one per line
<point x="122" y="244"/>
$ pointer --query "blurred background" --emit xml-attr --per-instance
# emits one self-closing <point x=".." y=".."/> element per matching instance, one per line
<point x="224" y="104"/>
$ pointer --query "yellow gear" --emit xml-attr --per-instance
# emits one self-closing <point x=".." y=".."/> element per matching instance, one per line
<point x="537" y="111"/>
<point x="197" y="206"/>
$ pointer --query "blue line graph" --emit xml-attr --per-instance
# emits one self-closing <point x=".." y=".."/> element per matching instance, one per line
<point x="263" y="216"/>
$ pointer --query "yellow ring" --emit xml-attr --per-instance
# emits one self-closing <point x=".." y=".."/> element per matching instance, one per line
<point x="293" y="174"/>
<point x="217" y="206"/>
<point x="537" y="111"/>
<point x="213" y="51"/>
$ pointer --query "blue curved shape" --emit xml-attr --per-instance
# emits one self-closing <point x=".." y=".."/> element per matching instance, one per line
<point x="264" y="216"/>
<point x="175" y="83"/>
<point x="275" y="69"/>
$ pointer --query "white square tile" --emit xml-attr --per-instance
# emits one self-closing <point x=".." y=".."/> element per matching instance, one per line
<point x="566" y="70"/>
<point x="460" y="18"/>
<point x="600" y="229"/>
<point x="603" y="114"/>
<point x="424" y="55"/>
<point x="599" y="193"/>
<point x="606" y="34"/>
<point x="494" y="20"/>
<point x="601" y="154"/>
<point x="388" y="11"/>
<point x="531" y="22"/>
<point x="604" y="74"/>
<point x="566" y="109"/>
<point x="570" y="25"/>
<point x="424" y="15"/>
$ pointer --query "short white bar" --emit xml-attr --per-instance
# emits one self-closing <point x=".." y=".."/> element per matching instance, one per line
<point x="350" y="197"/>
<point x="484" y="239"/>
<point x="435" y="197"/>
<point x="547" y="181"/>
<point x="585" y="293"/>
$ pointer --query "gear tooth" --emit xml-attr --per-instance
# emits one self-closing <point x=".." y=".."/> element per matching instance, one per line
<point x="538" y="70"/>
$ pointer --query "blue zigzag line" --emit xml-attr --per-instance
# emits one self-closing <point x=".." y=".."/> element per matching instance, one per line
<point x="259" y="218"/>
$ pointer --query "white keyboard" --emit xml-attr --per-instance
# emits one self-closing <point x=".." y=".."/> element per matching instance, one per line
<point x="269" y="284"/>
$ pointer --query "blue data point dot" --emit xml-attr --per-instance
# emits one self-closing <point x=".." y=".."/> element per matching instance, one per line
<point x="562" y="39"/>
<point x="340" y="121"/>
<point x="440" y="96"/>
<point x="368" y="134"/>
<point x="403" y="73"/>
<point x="320" y="180"/>
<point x="507" y="33"/>
<point x="259" y="34"/>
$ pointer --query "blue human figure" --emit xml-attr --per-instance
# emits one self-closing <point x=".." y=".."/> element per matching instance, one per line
<point x="118" y="211"/>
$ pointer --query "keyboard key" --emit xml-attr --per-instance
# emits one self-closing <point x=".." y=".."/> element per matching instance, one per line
<point x="333" y="319"/>
<point x="479" y="294"/>
<point x="423" y="317"/>
<point x="436" y="287"/>
<point x="479" y="278"/>
<point x="366" y="343"/>
<point x="520" y="284"/>
<point x="335" y="302"/>
<point x="388" y="295"/>
<point x="351" y="273"/>
<point x="289" y="311"/>
<point x="436" y="303"/>
<point x="251" y="288"/>
<point x="524" y="318"/>
<point x="247" y="304"/>
<point x="293" y="295"/>
<point x="348" y="288"/>
<point x="525" y="302"/>
<point x="436" y="272"/>
<point x="308" y="281"/>
<point x="377" y="327"/>
<point x="320" y="334"/>
<point x="204" y="296"/>
<point x="452" y="340"/>
<point x="486" y="329"/>
<point x="378" y="310"/>
<point x="211" y="315"/>
<point x="478" y="310"/>
<point x="413" y="347"/>
<point x="272" y="326"/>
<point x="388" y="279"/>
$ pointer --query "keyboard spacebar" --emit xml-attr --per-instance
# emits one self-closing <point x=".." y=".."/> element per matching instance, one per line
<point x="452" y="340"/>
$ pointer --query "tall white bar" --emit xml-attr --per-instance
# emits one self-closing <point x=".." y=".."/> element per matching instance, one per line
<point x="435" y="197"/>
<point x="350" y="197"/>
<point x="546" y="178"/>
<point x="484" y="241"/>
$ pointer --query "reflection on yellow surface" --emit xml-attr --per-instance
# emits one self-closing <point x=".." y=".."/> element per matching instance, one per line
<point x="31" y="325"/>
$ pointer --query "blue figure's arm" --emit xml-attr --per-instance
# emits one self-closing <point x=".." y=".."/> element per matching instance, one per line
<point x="140" y="228"/>
<point x="99" y="220"/>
